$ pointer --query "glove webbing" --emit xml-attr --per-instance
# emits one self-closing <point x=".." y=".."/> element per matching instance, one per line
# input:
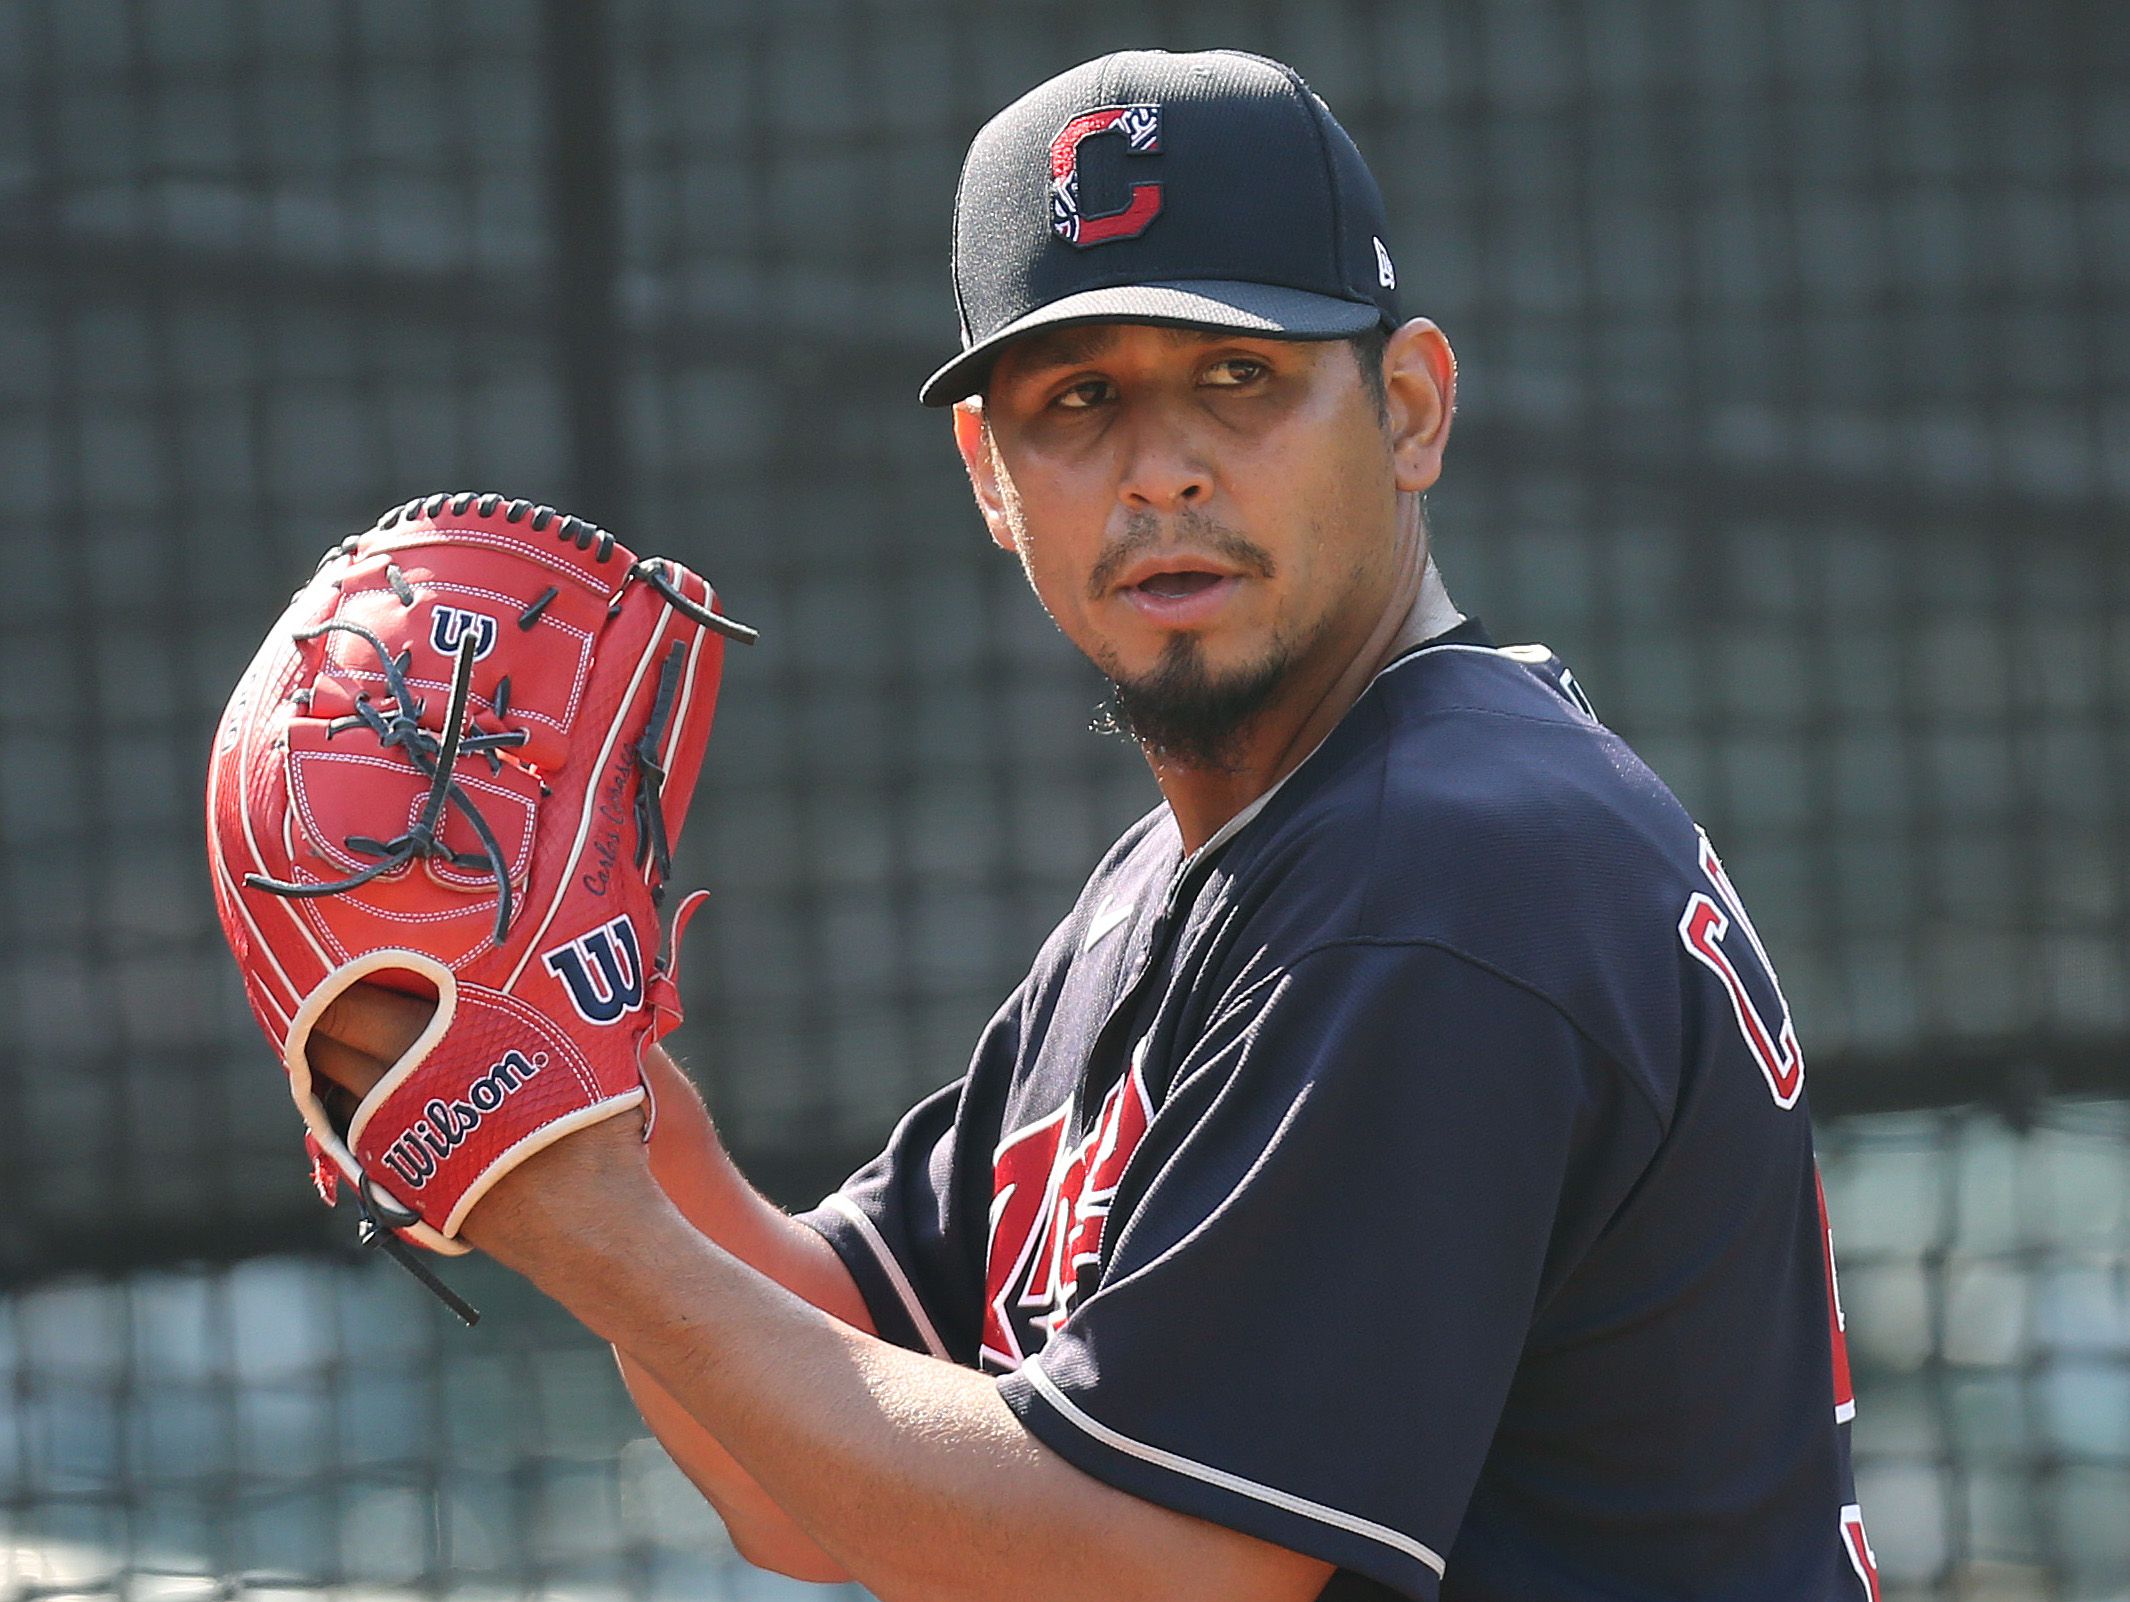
<point x="437" y="759"/>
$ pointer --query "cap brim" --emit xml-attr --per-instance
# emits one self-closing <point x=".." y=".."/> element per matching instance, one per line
<point x="1264" y="309"/>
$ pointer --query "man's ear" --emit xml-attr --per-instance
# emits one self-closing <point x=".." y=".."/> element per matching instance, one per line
<point x="974" y="444"/>
<point x="1420" y="394"/>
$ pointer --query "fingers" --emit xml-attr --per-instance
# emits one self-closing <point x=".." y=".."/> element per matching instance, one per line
<point x="343" y="1065"/>
<point x="374" y="1021"/>
<point x="340" y="1106"/>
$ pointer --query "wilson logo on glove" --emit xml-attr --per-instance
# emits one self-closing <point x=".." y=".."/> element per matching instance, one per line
<point x="603" y="971"/>
<point x="450" y="624"/>
<point x="445" y="1125"/>
<point x="378" y="815"/>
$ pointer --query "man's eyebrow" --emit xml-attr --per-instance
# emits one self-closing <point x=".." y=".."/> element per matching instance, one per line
<point x="1063" y="347"/>
<point x="1085" y="342"/>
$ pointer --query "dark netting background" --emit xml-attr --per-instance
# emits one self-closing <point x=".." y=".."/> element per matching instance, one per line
<point x="1794" y="338"/>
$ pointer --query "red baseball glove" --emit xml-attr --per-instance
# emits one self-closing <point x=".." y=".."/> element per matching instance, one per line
<point x="457" y="767"/>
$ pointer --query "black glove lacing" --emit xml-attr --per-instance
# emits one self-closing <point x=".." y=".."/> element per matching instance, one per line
<point x="376" y="1230"/>
<point x="654" y="857"/>
<point x="434" y="757"/>
<point x="437" y="758"/>
<point x="655" y="573"/>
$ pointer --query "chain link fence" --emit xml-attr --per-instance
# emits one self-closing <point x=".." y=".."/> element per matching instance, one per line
<point x="1793" y="340"/>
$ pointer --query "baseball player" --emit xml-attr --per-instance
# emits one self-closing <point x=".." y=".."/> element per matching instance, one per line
<point x="1393" y="1178"/>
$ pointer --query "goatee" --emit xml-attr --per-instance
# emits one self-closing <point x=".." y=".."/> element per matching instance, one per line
<point x="1181" y="713"/>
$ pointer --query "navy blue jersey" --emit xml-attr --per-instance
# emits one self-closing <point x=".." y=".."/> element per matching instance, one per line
<point x="1417" y="1176"/>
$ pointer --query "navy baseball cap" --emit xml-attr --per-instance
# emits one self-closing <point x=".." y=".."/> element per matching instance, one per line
<point x="1211" y="190"/>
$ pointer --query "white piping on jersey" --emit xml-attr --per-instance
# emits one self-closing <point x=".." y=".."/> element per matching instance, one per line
<point x="1286" y="1501"/>
<point x="905" y="1292"/>
<point x="1234" y="826"/>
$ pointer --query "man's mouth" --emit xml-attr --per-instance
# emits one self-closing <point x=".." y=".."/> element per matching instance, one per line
<point x="1182" y="598"/>
<point x="1171" y="586"/>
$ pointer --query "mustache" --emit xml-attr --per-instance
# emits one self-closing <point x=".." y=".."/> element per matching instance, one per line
<point x="1145" y="535"/>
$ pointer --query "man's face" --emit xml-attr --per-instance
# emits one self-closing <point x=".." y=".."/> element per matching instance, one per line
<point x="1212" y="519"/>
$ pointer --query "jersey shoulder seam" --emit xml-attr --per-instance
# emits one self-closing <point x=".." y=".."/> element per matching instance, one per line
<point x="1575" y="725"/>
<point x="1514" y="981"/>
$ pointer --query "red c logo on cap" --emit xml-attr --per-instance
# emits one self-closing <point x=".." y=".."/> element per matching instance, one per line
<point x="1141" y="127"/>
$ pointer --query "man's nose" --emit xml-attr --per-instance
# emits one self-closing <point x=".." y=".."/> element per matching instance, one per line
<point x="1162" y="469"/>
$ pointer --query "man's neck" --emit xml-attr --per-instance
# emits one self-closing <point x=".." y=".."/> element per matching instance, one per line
<point x="1204" y="799"/>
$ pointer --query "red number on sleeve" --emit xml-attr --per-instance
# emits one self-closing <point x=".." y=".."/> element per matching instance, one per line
<point x="1707" y="919"/>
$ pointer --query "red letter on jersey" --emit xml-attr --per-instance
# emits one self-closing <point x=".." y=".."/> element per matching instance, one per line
<point x="1837" y="1320"/>
<point x="1706" y="921"/>
<point x="1048" y="1208"/>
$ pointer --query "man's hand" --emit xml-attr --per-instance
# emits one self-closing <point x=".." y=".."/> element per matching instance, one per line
<point x="905" y="1472"/>
<point x="365" y="1031"/>
<point x="547" y="1204"/>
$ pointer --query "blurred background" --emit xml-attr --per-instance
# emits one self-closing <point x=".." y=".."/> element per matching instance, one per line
<point x="1794" y="339"/>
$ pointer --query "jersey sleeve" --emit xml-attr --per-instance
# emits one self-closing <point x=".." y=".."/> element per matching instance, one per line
<point x="907" y="1226"/>
<point x="1326" y="1254"/>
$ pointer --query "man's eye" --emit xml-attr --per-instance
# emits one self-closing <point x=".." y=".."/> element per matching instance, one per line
<point x="1235" y="372"/>
<point x="1079" y="397"/>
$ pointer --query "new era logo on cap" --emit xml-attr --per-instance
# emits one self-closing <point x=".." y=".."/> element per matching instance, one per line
<point x="1209" y="191"/>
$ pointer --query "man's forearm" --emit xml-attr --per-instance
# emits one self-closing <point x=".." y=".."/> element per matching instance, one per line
<point x="761" y="1532"/>
<point x="699" y="1177"/>
<point x="908" y="1471"/>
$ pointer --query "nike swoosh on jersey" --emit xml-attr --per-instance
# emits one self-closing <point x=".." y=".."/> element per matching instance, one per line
<point x="1103" y="922"/>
